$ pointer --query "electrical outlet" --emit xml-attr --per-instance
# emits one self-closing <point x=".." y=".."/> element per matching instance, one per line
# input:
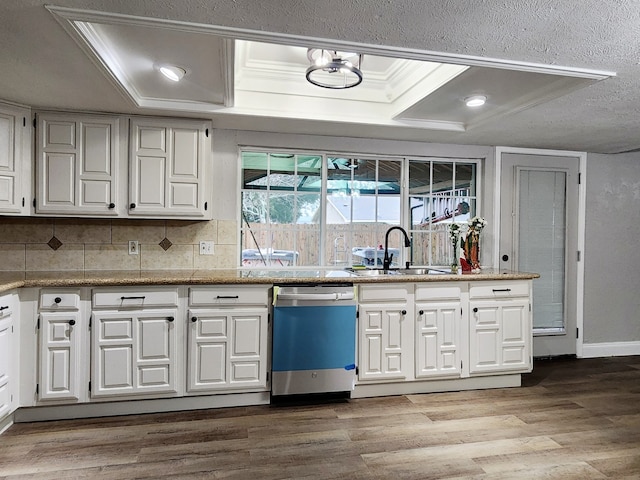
<point x="206" y="248"/>
<point x="133" y="247"/>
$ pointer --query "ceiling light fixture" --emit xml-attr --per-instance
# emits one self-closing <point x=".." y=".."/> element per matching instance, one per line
<point x="172" y="72"/>
<point x="332" y="69"/>
<point x="475" y="101"/>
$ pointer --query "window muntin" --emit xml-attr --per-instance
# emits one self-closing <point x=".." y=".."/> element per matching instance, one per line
<point x="312" y="210"/>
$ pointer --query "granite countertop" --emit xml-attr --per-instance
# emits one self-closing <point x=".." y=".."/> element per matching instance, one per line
<point x="13" y="280"/>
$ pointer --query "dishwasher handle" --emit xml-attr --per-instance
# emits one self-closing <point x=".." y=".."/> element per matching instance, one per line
<point x="317" y="296"/>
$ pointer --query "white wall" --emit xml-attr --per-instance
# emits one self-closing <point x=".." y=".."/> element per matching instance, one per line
<point x="612" y="252"/>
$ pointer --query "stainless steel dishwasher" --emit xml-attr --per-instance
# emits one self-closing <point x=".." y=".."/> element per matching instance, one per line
<point x="314" y="339"/>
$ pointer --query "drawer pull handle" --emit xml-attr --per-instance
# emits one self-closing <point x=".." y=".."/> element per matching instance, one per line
<point x="132" y="298"/>
<point x="495" y="290"/>
<point x="404" y="312"/>
<point x="4" y="308"/>
<point x="475" y="310"/>
<point x="57" y="300"/>
<point x="194" y="319"/>
<point x="170" y="319"/>
<point x="72" y="322"/>
<point x="112" y="206"/>
<point x="223" y="297"/>
<point x="421" y="312"/>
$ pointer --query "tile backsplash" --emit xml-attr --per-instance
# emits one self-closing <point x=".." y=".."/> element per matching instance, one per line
<point x="38" y="244"/>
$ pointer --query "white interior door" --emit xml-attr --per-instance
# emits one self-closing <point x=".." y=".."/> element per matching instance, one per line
<point x="539" y="233"/>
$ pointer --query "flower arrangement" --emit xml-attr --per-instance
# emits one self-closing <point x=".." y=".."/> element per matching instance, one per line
<point x="477" y="223"/>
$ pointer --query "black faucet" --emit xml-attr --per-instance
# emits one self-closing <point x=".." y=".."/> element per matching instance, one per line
<point x="386" y="262"/>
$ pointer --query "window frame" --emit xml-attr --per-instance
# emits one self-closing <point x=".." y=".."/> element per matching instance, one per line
<point x="404" y="220"/>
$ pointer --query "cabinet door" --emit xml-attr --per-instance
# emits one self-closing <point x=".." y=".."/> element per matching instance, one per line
<point x="77" y="163"/>
<point x="438" y="339"/>
<point x="14" y="131"/>
<point x="59" y="356"/>
<point x="6" y="360"/>
<point x="385" y="342"/>
<point x="134" y="353"/>
<point x="167" y="170"/>
<point x="227" y="349"/>
<point x="500" y="336"/>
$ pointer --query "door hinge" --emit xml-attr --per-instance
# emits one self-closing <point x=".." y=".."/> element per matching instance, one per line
<point x="579" y="178"/>
<point x="529" y="307"/>
<point x="357" y="313"/>
<point x="267" y="376"/>
<point x="268" y="318"/>
<point x="577" y="333"/>
<point x="37" y="388"/>
<point x="23" y="201"/>
<point x="206" y="206"/>
<point x="90" y="319"/>
<point x="38" y="323"/>
<point x="357" y="371"/>
<point x="24" y="121"/>
<point x="89" y="387"/>
<point x="579" y="255"/>
<point x="34" y="202"/>
<point x="34" y="123"/>
<point x="206" y="132"/>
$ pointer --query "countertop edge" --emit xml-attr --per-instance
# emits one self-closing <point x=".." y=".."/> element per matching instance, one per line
<point x="226" y="277"/>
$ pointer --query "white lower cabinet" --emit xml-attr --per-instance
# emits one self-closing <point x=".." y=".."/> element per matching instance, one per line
<point x="438" y="333"/>
<point x="226" y="349"/>
<point x="8" y="384"/>
<point x="385" y="338"/>
<point x="60" y="326"/>
<point x="500" y="327"/>
<point x="134" y="344"/>
<point x="227" y="338"/>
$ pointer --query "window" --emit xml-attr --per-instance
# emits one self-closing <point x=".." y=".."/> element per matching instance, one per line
<point x="308" y="210"/>
<point x="441" y="191"/>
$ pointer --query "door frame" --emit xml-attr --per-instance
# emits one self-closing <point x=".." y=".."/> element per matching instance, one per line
<point x="582" y="195"/>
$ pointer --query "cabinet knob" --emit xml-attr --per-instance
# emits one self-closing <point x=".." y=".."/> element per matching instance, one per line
<point x="112" y="206"/>
<point x="475" y="310"/>
<point x="72" y="322"/>
<point x="132" y="206"/>
<point x="421" y="312"/>
<point x="404" y="312"/>
<point x="57" y="299"/>
<point x="194" y="319"/>
<point x="170" y="319"/>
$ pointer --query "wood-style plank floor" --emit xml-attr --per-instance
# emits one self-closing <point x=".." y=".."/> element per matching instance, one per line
<point x="572" y="419"/>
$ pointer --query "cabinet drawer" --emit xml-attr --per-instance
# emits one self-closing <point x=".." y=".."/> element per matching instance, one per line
<point x="229" y="295"/>
<point x="438" y="292"/>
<point x="383" y="293"/>
<point x="59" y="299"/>
<point x="135" y="298"/>
<point x="499" y="290"/>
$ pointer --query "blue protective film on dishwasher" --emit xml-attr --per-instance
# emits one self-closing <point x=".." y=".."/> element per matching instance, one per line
<point x="314" y="337"/>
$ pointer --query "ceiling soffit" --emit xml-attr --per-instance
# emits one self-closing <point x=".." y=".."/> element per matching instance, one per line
<point x="242" y="72"/>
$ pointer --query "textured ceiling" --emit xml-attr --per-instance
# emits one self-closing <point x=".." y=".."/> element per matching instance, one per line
<point x="44" y="67"/>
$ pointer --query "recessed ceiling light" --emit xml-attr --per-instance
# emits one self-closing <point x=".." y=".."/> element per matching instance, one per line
<point x="172" y="72"/>
<point x="475" y="101"/>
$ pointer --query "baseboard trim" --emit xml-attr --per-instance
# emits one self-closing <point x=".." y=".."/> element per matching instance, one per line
<point x="610" y="349"/>
<point x="106" y="409"/>
<point x="6" y="422"/>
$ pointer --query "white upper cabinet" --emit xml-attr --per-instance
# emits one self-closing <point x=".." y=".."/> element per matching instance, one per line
<point x="77" y="162"/>
<point x="15" y="160"/>
<point x="167" y="167"/>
